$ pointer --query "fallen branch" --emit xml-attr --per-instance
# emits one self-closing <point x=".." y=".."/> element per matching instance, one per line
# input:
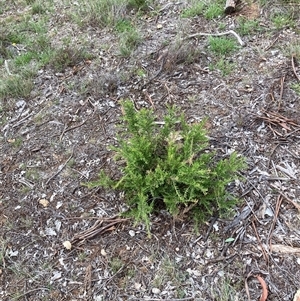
<point x="6" y="67"/>
<point x="263" y="284"/>
<point x="31" y="291"/>
<point x="297" y="206"/>
<point x="71" y="128"/>
<point x="294" y="69"/>
<point x="277" y="208"/>
<point x="230" y="6"/>
<point x="60" y="168"/>
<point x="97" y="228"/>
<point x="195" y="35"/>
<point x="155" y="299"/>
<point x="283" y="249"/>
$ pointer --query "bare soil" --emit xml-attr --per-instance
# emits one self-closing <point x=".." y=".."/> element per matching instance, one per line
<point x="67" y="123"/>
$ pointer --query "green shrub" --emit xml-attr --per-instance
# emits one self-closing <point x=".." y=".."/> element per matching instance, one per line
<point x="169" y="166"/>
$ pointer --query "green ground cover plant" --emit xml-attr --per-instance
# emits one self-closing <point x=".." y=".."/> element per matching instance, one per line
<point x="246" y="27"/>
<point x="214" y="10"/>
<point x="169" y="166"/>
<point x="193" y="10"/>
<point x="209" y="9"/>
<point x="282" y="20"/>
<point x="224" y="66"/>
<point x="129" y="37"/>
<point x="221" y="46"/>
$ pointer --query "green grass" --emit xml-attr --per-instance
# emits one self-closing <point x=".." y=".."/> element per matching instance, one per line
<point x="222" y="46"/>
<point x="24" y="59"/>
<point x="225" y="290"/>
<point x="296" y="88"/>
<point x="104" y="13"/>
<point x="129" y="37"/>
<point x="282" y="20"/>
<point x="224" y="66"/>
<point x="15" y="86"/>
<point x="293" y="49"/>
<point x="16" y="142"/>
<point x="214" y="10"/>
<point x="168" y="272"/>
<point x="116" y="264"/>
<point x="128" y="41"/>
<point x="209" y="9"/>
<point x="32" y="174"/>
<point x="38" y="8"/>
<point x="247" y="27"/>
<point x="124" y="25"/>
<point x="196" y="8"/>
<point x="65" y="57"/>
<point x="137" y="4"/>
<point x="23" y="43"/>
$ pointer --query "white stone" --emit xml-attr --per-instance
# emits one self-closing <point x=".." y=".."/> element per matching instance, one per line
<point x="156" y="291"/>
<point x="131" y="233"/>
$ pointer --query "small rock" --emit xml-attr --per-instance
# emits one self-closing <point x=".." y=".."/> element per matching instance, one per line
<point x="131" y="233"/>
<point x="12" y="253"/>
<point x="156" y="291"/>
<point x="56" y="275"/>
<point x="67" y="245"/>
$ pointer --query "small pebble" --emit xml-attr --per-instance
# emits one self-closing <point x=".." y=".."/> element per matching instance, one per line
<point x="156" y="291"/>
<point x="131" y="233"/>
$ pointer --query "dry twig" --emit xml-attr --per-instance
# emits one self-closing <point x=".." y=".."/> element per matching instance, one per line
<point x="61" y="167"/>
<point x="31" y="291"/>
<point x="263" y="284"/>
<point x="195" y="35"/>
<point x="281" y="91"/>
<point x="278" y="203"/>
<point x="97" y="228"/>
<point x="294" y="69"/>
<point x="88" y="281"/>
<point x="276" y="119"/>
<point x="71" y="128"/>
<point x="7" y="68"/>
<point x="266" y="258"/>
<point x="155" y="299"/>
<point x="297" y="206"/>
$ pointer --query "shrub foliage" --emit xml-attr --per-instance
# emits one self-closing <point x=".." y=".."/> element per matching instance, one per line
<point x="169" y="165"/>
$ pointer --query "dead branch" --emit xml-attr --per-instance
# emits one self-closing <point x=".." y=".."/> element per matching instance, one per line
<point x="230" y="6"/>
<point x="265" y="255"/>
<point x="71" y="128"/>
<point x="195" y="35"/>
<point x="6" y="67"/>
<point x="294" y="69"/>
<point x="277" y="208"/>
<point x="263" y="284"/>
<point x="60" y="168"/>
<point x="97" y="228"/>
<point x="297" y="206"/>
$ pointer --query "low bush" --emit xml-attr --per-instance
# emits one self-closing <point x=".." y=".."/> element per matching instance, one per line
<point x="169" y="165"/>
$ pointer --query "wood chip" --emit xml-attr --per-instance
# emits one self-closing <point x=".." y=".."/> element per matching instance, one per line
<point x="284" y="249"/>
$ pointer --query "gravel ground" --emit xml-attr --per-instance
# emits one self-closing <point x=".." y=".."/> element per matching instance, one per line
<point x="56" y="138"/>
